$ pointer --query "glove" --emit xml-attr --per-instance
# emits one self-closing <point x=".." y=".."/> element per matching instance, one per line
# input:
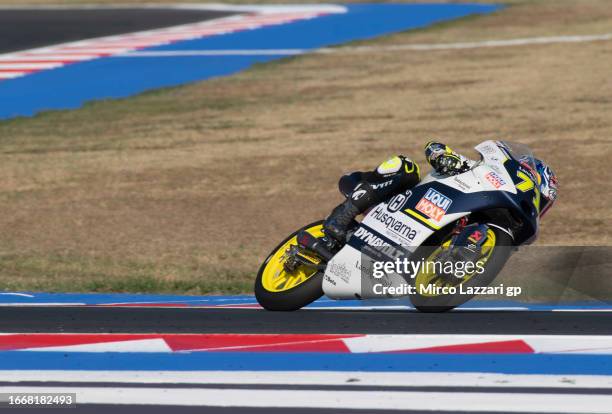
<point x="444" y="160"/>
<point x="448" y="164"/>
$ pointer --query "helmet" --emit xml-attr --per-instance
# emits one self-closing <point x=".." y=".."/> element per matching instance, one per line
<point x="548" y="186"/>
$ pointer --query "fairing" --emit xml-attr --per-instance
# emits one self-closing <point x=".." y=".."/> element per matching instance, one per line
<point x="502" y="179"/>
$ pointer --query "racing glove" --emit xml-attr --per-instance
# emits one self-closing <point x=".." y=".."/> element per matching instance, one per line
<point x="444" y="160"/>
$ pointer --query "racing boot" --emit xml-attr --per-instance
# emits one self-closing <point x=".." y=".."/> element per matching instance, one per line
<point x="339" y="221"/>
<point x="342" y="217"/>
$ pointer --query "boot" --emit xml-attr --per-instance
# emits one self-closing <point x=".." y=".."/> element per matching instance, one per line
<point x="338" y="222"/>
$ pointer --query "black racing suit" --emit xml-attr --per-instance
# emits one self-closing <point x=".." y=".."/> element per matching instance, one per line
<point x="366" y="189"/>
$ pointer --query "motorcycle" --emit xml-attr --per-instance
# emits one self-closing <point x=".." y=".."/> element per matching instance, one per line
<point x="480" y="215"/>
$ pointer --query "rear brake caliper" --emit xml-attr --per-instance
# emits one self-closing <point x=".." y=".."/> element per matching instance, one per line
<point x="309" y="252"/>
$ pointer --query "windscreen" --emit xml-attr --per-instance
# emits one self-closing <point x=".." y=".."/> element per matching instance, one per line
<point x="520" y="153"/>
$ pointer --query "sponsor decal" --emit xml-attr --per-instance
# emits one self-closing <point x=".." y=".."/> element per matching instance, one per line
<point x="395" y="225"/>
<point x="495" y="179"/>
<point x="330" y="280"/>
<point x="381" y="185"/>
<point x="487" y="149"/>
<point x="339" y="270"/>
<point x="461" y="184"/>
<point x="364" y="268"/>
<point x="476" y="236"/>
<point x="369" y="238"/>
<point x="434" y="204"/>
<point x="358" y="194"/>
<point x="397" y="202"/>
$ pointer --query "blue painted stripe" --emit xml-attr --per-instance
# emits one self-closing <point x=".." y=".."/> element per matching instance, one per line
<point x="360" y="22"/>
<point x="108" y="298"/>
<point x="506" y="364"/>
<point x="70" y="86"/>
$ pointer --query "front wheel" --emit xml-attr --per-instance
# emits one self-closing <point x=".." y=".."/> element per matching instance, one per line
<point x="431" y="289"/>
<point x="280" y="289"/>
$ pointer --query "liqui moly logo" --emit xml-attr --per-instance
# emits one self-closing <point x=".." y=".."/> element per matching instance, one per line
<point x="495" y="179"/>
<point x="433" y="204"/>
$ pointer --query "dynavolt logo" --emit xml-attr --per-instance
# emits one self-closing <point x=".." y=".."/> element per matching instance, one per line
<point x="434" y="204"/>
<point x="369" y="238"/>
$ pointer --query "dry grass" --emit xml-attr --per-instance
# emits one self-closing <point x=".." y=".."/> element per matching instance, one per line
<point x="187" y="189"/>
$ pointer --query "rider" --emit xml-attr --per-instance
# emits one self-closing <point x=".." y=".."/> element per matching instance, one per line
<point x="366" y="189"/>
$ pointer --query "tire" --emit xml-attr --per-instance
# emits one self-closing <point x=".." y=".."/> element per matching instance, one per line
<point x="494" y="264"/>
<point x="295" y="297"/>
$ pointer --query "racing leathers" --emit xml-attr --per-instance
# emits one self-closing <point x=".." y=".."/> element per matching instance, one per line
<point x="398" y="174"/>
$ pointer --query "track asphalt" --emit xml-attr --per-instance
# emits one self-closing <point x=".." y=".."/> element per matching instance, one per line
<point x="185" y="45"/>
<point x="173" y="320"/>
<point x="32" y="28"/>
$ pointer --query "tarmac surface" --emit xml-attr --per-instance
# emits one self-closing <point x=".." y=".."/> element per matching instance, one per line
<point x="22" y="29"/>
<point x="177" y="320"/>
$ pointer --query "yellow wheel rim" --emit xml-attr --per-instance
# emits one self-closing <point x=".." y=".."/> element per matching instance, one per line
<point x="276" y="279"/>
<point x="426" y="278"/>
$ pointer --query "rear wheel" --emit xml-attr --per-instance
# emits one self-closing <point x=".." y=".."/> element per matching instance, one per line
<point x="429" y="286"/>
<point x="281" y="289"/>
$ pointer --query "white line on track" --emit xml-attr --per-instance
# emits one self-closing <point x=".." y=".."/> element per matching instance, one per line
<point x="43" y="58"/>
<point x="88" y="49"/>
<point x="474" y="45"/>
<point x="25" y="295"/>
<point x="26" y="66"/>
<point x="264" y="9"/>
<point x="356" y="379"/>
<point x="364" y="400"/>
<point x="10" y="75"/>
<point x="237" y="52"/>
<point x="381" y="48"/>
<point x="41" y="304"/>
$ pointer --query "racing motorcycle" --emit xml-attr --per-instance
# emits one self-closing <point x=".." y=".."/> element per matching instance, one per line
<point x="481" y="214"/>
